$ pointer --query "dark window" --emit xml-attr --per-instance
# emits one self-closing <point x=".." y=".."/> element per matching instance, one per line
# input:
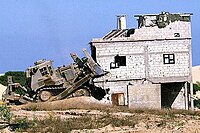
<point x="130" y="32"/>
<point x="44" y="71"/>
<point x="120" y="60"/>
<point x="177" y="35"/>
<point x="50" y="70"/>
<point x="169" y="58"/>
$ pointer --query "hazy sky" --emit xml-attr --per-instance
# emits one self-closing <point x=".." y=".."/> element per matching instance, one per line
<point x="35" y="29"/>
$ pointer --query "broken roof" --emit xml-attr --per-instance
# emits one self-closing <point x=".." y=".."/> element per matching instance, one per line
<point x="181" y="14"/>
<point x="156" y="21"/>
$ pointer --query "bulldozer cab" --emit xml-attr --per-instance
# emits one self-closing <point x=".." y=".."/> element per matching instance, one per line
<point x="41" y="74"/>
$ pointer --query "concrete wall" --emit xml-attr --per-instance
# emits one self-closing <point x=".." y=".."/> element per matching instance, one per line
<point x="144" y="59"/>
<point x="144" y="96"/>
<point x="114" y="88"/>
<point x="179" y="102"/>
<point x="147" y="33"/>
<point x="117" y="87"/>
<point x="160" y="72"/>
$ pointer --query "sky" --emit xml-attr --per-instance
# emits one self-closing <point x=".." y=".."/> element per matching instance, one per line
<point x="51" y="29"/>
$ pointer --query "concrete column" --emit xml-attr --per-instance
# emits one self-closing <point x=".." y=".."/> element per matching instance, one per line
<point x="121" y="22"/>
<point x="186" y="95"/>
<point x="191" y="96"/>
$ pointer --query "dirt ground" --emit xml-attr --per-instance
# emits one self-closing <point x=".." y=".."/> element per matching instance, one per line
<point x="145" y="121"/>
<point x="148" y="122"/>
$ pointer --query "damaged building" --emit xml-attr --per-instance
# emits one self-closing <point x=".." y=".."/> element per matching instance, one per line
<point x="149" y="67"/>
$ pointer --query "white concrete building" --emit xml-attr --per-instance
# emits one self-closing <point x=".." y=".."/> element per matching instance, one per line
<point x="150" y="66"/>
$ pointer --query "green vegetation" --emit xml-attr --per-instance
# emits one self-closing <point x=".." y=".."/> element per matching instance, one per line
<point x="5" y="113"/>
<point x="21" y="124"/>
<point x="196" y="88"/>
<point x="114" y="115"/>
<point x="18" y="77"/>
<point x="110" y="116"/>
<point x="58" y="125"/>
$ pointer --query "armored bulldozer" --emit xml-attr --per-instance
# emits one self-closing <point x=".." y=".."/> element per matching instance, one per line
<point x="44" y="83"/>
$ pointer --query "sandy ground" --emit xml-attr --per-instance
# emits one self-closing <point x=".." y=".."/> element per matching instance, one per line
<point x="2" y="89"/>
<point x="196" y="74"/>
<point x="149" y="123"/>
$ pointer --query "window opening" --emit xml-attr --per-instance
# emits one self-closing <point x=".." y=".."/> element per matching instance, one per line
<point x="119" y="61"/>
<point x="114" y="65"/>
<point x="50" y="70"/>
<point x="169" y="58"/>
<point x="44" y="71"/>
<point x="177" y="35"/>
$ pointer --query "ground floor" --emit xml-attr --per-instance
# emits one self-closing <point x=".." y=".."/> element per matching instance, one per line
<point x="144" y="94"/>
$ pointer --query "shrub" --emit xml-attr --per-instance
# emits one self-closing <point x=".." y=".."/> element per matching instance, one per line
<point x="196" y="88"/>
<point x="5" y="113"/>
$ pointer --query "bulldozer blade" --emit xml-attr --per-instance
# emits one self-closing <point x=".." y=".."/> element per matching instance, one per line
<point x="95" y="67"/>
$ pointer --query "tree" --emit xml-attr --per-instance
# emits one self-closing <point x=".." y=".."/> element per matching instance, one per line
<point x="18" y="77"/>
<point x="196" y="88"/>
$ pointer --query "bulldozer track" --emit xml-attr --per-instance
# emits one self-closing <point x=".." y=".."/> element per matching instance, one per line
<point x="53" y="90"/>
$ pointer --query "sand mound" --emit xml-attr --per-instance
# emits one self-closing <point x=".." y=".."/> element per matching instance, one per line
<point x="2" y="89"/>
<point x="71" y="103"/>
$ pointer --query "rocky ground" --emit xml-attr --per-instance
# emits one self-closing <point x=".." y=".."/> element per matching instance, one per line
<point x="106" y="118"/>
